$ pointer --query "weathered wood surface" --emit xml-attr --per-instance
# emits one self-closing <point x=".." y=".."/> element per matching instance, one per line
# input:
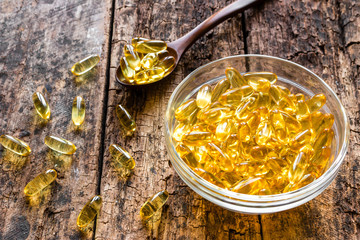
<point x="41" y="40"/>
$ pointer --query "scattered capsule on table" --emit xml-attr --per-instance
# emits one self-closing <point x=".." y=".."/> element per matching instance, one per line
<point x="150" y="46"/>
<point x="121" y="158"/>
<point x="203" y="97"/>
<point x="89" y="212"/>
<point x="78" y="111"/>
<point x="126" y="120"/>
<point x="15" y="145"/>
<point x="40" y="182"/>
<point x="153" y="205"/>
<point x="85" y="65"/>
<point x="60" y="145"/>
<point x="41" y="105"/>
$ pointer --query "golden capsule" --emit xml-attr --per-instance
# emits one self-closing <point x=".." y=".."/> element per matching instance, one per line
<point x="155" y="74"/>
<point x="259" y="153"/>
<point x="215" y="115"/>
<point x="149" y="60"/>
<point x="180" y="130"/>
<point x="324" y="139"/>
<point x="203" y="97"/>
<point x="163" y="54"/>
<point x="127" y="71"/>
<point x="316" y="102"/>
<point x="277" y="165"/>
<point x="209" y="177"/>
<point x="287" y="105"/>
<point x="141" y="77"/>
<point x="121" y="158"/>
<point x="187" y="155"/>
<point x="224" y="130"/>
<point x="89" y="212"/>
<point x="150" y="46"/>
<point x="15" y="145"/>
<point x="40" y="182"/>
<point x="135" y="41"/>
<point x="153" y="205"/>
<point x="185" y="110"/>
<point x="222" y="160"/>
<point x="60" y="145"/>
<point x="305" y="180"/>
<point x="78" y="111"/>
<point x="233" y="97"/>
<point x="243" y="111"/>
<point x="300" y="96"/>
<point x="197" y="138"/>
<point x="41" y="105"/>
<point x="231" y="147"/>
<point x="259" y="85"/>
<point x="301" y="139"/>
<point x="132" y="57"/>
<point x="248" y="186"/>
<point x="262" y="100"/>
<point x="299" y="166"/>
<point x="253" y="121"/>
<point x="219" y="89"/>
<point x="235" y="78"/>
<point x="263" y="133"/>
<point x="326" y="122"/>
<point x="256" y="76"/>
<point x="167" y="63"/>
<point x="292" y="125"/>
<point x="244" y="132"/>
<point x="126" y="120"/>
<point x="302" y="108"/>
<point x="85" y="65"/>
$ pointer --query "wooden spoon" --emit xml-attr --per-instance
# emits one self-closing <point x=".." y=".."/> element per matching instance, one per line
<point x="179" y="46"/>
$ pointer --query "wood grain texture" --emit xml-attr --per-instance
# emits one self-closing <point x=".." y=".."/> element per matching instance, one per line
<point x="324" y="37"/>
<point x="40" y="41"/>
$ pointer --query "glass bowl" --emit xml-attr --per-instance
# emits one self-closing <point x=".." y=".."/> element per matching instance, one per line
<point x="299" y="80"/>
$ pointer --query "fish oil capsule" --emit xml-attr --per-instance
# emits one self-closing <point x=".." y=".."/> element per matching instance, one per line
<point x="89" y="212"/>
<point x="187" y="155"/>
<point x="244" y="132"/>
<point x="132" y="57"/>
<point x="126" y="120"/>
<point x="305" y="180"/>
<point x="300" y="96"/>
<point x="121" y="158"/>
<point x="163" y="54"/>
<point x="153" y="205"/>
<point x="78" y="111"/>
<point x="323" y="139"/>
<point x="256" y="76"/>
<point x="219" y="89"/>
<point x="141" y="77"/>
<point x="126" y="70"/>
<point x="203" y="97"/>
<point x="259" y="152"/>
<point x="326" y="122"/>
<point x="233" y="97"/>
<point x="302" y="108"/>
<point x="185" y="110"/>
<point x="316" y="102"/>
<point x="263" y="133"/>
<point x="222" y="159"/>
<point x="292" y="125"/>
<point x="150" y="46"/>
<point x="287" y="105"/>
<point x="180" y="130"/>
<point x="40" y="182"/>
<point x="85" y="65"/>
<point x="224" y="129"/>
<point x="242" y="111"/>
<point x="167" y="63"/>
<point x="197" y="138"/>
<point x="235" y="78"/>
<point x="15" y="145"/>
<point x="215" y="115"/>
<point x="262" y="100"/>
<point x="209" y="177"/>
<point x="259" y="85"/>
<point x="135" y="41"/>
<point x="301" y="139"/>
<point x="248" y="186"/>
<point x="253" y="121"/>
<point x="155" y="74"/>
<point x="149" y="60"/>
<point x="60" y="145"/>
<point x="277" y="165"/>
<point x="41" y="105"/>
<point x="298" y="167"/>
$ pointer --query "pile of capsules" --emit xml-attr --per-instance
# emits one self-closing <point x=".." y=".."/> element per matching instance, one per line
<point x="145" y="61"/>
<point x="251" y="136"/>
<point x="122" y="160"/>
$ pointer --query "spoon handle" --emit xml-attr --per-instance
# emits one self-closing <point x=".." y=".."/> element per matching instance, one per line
<point x="183" y="43"/>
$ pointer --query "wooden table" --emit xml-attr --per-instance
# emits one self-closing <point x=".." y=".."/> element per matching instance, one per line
<point x="40" y="41"/>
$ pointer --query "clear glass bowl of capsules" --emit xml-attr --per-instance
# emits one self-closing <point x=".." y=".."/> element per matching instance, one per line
<point x="291" y="75"/>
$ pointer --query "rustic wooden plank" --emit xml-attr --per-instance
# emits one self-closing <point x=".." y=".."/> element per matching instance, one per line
<point x="40" y="40"/>
<point x="186" y="215"/>
<point x="323" y="36"/>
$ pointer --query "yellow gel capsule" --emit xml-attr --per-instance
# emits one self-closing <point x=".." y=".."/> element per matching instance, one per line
<point x="248" y="186"/>
<point x="305" y="180"/>
<point x="256" y="76"/>
<point x="187" y="155"/>
<point x="132" y="57"/>
<point x="141" y="77"/>
<point x="121" y="158"/>
<point x="292" y="125"/>
<point x="244" y="132"/>
<point x="215" y="115"/>
<point x="85" y="65"/>
<point x="167" y="63"/>
<point x="180" y="130"/>
<point x="126" y="120"/>
<point x="260" y="85"/>
<point x="153" y="204"/>
<point x="301" y="139"/>
<point x="253" y="121"/>
<point x="302" y="108"/>
<point x="263" y="133"/>
<point x="41" y="105"/>
<point x="224" y="129"/>
<point x="135" y="41"/>
<point x="60" y="145"/>
<point x="219" y="89"/>
<point x="233" y="97"/>
<point x="242" y="112"/>
<point x="320" y="158"/>
<point x="259" y="153"/>
<point x="185" y="110"/>
<point x="15" y="145"/>
<point x="209" y="177"/>
<point x="326" y="122"/>
<point x="299" y="166"/>
<point x="127" y="71"/>
<point x="316" y="102"/>
<point x="324" y="139"/>
<point x="150" y="46"/>
<point x="203" y="97"/>
<point x="162" y="54"/>
<point x="235" y="78"/>
<point x="155" y="74"/>
<point x="149" y="60"/>
<point x="197" y="138"/>
<point x="300" y="96"/>
<point x="89" y="212"/>
<point x="78" y="111"/>
<point x="40" y="182"/>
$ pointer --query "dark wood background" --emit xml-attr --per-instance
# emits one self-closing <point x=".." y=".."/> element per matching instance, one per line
<point x="41" y="39"/>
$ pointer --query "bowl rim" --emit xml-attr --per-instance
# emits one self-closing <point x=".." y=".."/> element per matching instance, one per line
<point x="235" y="197"/>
